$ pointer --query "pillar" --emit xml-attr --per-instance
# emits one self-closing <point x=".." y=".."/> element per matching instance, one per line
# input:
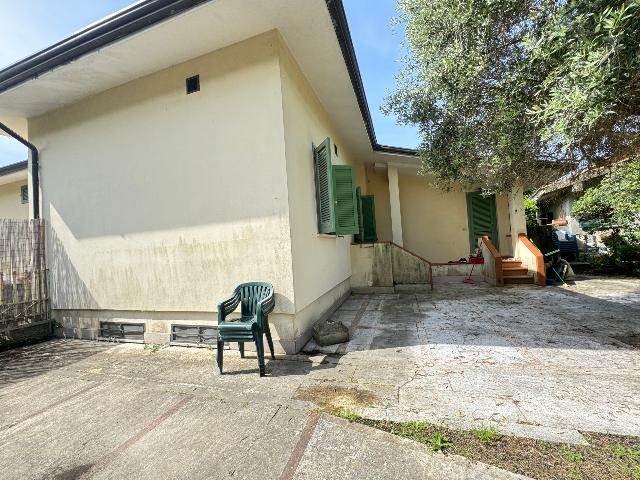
<point x="394" y="201"/>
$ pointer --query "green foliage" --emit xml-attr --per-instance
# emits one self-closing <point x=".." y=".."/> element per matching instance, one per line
<point x="625" y="453"/>
<point x="588" y="98"/>
<point x="614" y="205"/>
<point x="498" y="88"/>
<point x="153" y="347"/>
<point x="575" y="457"/>
<point x="486" y="435"/>
<point x="438" y="442"/>
<point x="347" y="414"/>
<point x="531" y="211"/>
<point x="413" y="430"/>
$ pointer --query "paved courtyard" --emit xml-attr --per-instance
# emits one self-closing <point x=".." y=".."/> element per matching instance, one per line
<point x="546" y="363"/>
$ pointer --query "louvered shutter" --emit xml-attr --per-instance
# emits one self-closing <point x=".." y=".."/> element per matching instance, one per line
<point x="324" y="187"/>
<point x="345" y="201"/>
<point x="368" y="219"/>
<point x="482" y="219"/>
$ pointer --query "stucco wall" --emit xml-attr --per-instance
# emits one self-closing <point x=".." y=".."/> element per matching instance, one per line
<point x="378" y="186"/>
<point x="18" y="125"/>
<point x="11" y="205"/>
<point x="320" y="262"/>
<point x="160" y="201"/>
<point x="434" y="222"/>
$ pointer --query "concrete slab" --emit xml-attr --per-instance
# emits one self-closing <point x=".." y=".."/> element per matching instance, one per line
<point x="539" y="362"/>
<point x="544" y="363"/>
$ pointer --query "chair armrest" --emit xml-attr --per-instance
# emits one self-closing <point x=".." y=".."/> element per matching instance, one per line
<point x="228" y="306"/>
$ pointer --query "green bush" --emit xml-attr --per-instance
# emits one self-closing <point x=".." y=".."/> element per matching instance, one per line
<point x="531" y="210"/>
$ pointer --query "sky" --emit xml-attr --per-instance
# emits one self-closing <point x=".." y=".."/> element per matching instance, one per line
<point x="27" y="26"/>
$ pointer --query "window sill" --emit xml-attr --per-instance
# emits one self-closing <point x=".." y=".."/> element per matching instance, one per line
<point x="328" y="235"/>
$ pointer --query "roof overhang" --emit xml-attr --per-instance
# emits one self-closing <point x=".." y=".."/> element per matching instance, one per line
<point x="13" y="173"/>
<point x="404" y="160"/>
<point x="155" y="34"/>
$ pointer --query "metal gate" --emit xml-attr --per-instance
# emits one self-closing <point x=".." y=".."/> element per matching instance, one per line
<point x="24" y="296"/>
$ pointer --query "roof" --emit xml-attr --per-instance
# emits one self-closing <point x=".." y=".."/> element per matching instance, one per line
<point x="101" y="36"/>
<point x="573" y="180"/>
<point x="13" y="173"/>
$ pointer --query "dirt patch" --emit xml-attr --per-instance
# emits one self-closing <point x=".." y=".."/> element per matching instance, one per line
<point x="606" y="457"/>
<point x="330" y="397"/>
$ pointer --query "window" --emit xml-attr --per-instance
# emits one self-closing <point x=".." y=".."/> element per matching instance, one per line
<point x="24" y="194"/>
<point x="335" y="193"/>
<point x="193" y="84"/>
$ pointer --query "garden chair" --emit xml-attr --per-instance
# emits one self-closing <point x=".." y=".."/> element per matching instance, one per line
<point x="257" y="302"/>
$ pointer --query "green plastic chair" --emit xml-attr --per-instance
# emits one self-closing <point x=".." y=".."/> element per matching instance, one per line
<point x="257" y="302"/>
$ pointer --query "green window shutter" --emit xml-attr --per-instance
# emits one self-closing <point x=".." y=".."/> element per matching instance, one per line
<point x="346" y="201"/>
<point x="368" y="219"/>
<point x="324" y="187"/>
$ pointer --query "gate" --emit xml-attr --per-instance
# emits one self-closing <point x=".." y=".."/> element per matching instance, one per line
<point x="24" y="296"/>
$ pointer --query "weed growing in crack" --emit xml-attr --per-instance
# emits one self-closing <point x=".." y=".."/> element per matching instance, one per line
<point x="348" y="414"/>
<point x="486" y="435"/>
<point x="438" y="442"/>
<point x="153" y="347"/>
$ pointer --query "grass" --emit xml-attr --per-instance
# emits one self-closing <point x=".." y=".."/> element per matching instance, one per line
<point x="487" y="435"/>
<point x="608" y="457"/>
<point x="575" y="457"/>
<point x="153" y="347"/>
<point x="347" y="414"/>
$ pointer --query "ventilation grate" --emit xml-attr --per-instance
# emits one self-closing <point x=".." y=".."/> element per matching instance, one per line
<point x="124" y="331"/>
<point x="193" y="84"/>
<point x="194" y="334"/>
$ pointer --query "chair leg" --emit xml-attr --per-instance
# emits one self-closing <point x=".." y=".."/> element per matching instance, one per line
<point x="219" y="355"/>
<point x="270" y="341"/>
<point x="260" y="354"/>
<point x="241" y="348"/>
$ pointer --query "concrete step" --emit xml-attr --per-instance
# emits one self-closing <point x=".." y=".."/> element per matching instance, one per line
<point x="510" y="271"/>
<point x="518" y="280"/>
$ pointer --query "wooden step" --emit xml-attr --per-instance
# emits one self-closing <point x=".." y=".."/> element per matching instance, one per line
<point x="514" y="271"/>
<point x="511" y="263"/>
<point x="518" y="280"/>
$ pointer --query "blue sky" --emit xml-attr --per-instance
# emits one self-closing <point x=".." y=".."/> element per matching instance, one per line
<point x="30" y="25"/>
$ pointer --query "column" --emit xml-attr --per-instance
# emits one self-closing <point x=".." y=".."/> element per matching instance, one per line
<point x="394" y="200"/>
<point x="517" y="216"/>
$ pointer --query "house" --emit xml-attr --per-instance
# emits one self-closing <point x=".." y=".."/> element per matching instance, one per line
<point x="556" y="201"/>
<point x="14" y="191"/>
<point x="186" y="146"/>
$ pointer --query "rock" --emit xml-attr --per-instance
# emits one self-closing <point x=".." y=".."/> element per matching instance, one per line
<point x="330" y="333"/>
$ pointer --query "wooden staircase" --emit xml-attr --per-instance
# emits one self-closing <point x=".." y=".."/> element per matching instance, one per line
<point x="516" y="273"/>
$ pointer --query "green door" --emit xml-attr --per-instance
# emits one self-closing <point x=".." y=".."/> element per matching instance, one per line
<point x="483" y="219"/>
<point x="367" y="216"/>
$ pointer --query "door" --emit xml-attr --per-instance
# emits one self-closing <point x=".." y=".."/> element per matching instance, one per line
<point x="483" y="219"/>
<point x="367" y="217"/>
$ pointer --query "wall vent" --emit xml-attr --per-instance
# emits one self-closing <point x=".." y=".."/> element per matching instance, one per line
<point x="194" y="334"/>
<point x="193" y="84"/>
<point x="122" y="331"/>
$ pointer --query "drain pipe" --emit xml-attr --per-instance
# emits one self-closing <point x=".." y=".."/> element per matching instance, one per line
<point x="35" y="179"/>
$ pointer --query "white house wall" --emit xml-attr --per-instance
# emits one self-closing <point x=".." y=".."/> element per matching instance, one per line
<point x="11" y="205"/>
<point x="321" y="263"/>
<point x="160" y="201"/>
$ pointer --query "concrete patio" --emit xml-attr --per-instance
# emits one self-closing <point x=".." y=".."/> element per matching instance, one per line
<point x="546" y="363"/>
